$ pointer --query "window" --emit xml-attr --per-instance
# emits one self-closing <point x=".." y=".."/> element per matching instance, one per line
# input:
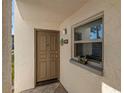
<point x="87" y="42"/>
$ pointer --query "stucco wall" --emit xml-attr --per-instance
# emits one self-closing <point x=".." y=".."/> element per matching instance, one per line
<point x="79" y="80"/>
<point x="24" y="58"/>
<point x="24" y="50"/>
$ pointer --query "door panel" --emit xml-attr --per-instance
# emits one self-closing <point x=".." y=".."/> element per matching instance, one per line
<point x="41" y="56"/>
<point x="53" y="69"/>
<point x="42" y="75"/>
<point x="54" y="52"/>
<point x="47" y="55"/>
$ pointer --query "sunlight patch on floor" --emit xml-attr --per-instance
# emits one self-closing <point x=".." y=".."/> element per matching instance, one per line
<point x="108" y="89"/>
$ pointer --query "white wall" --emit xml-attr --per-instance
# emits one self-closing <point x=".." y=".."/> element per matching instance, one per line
<point x="79" y="80"/>
<point x="24" y="58"/>
<point x="24" y="51"/>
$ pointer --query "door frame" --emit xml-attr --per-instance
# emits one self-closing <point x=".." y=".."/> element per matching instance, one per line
<point x="35" y="52"/>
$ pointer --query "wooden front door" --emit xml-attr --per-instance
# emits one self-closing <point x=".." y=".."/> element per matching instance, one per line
<point x="47" y="55"/>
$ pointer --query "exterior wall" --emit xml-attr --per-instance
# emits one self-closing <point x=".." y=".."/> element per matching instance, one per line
<point x="24" y="58"/>
<point x="24" y="51"/>
<point x="79" y="80"/>
<point x="6" y="47"/>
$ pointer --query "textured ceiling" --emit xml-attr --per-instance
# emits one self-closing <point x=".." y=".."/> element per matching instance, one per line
<point x="53" y="11"/>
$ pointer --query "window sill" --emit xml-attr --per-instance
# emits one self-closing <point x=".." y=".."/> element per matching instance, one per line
<point x="95" y="69"/>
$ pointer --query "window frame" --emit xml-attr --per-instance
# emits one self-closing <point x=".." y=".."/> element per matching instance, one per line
<point x="86" y="21"/>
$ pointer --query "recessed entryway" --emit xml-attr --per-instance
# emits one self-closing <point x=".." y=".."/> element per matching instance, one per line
<point x="47" y="55"/>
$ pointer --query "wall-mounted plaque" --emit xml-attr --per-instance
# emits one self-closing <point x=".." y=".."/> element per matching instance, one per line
<point x="66" y="41"/>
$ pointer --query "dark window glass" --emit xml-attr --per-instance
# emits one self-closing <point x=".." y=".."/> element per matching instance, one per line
<point x="89" y="31"/>
<point x="93" y="51"/>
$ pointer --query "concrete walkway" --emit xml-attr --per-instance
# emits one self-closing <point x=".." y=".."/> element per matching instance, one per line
<point x="50" y="88"/>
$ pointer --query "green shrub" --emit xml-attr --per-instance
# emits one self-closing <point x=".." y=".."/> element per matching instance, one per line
<point x="13" y="68"/>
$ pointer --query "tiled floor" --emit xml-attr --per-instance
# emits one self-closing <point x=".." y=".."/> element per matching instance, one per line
<point x="50" y="88"/>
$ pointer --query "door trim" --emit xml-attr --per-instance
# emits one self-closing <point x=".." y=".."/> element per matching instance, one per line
<point x="35" y="52"/>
